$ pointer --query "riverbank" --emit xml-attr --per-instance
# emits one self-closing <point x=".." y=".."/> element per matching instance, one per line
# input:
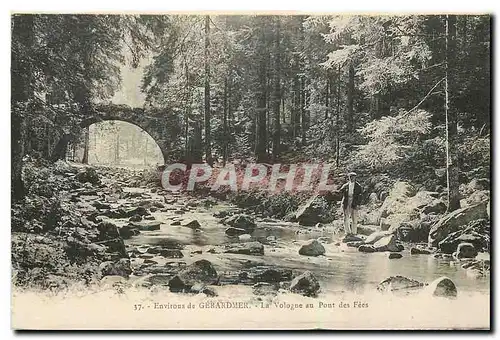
<point x="98" y="227"/>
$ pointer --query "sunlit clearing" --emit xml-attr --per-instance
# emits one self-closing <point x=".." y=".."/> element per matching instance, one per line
<point x="116" y="143"/>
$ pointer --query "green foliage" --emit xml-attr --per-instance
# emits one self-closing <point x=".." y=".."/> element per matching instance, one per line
<point x="391" y="139"/>
<point x="345" y="83"/>
<point x="475" y="155"/>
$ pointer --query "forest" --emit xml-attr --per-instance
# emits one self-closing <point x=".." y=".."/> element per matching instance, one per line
<point x="402" y="100"/>
<point x="392" y="94"/>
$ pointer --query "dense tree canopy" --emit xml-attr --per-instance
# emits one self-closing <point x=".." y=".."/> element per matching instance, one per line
<point x="371" y="92"/>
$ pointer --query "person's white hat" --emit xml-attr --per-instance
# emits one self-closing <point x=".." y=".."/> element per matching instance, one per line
<point x="352" y="173"/>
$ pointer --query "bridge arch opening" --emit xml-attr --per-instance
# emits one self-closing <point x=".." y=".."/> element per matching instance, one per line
<point x="116" y="143"/>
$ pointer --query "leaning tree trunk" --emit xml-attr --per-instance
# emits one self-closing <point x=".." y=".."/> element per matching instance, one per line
<point x="451" y="117"/>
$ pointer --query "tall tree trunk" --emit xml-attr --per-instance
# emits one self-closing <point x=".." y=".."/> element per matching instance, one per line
<point x="17" y="154"/>
<point x="268" y="105"/>
<point x="277" y="93"/>
<point x="328" y="85"/>
<point x="296" y="105"/>
<point x="85" y="159"/>
<point x="283" y="113"/>
<point x="117" y="147"/>
<point x="229" y="118"/>
<point x="303" y="118"/>
<point x="452" y="166"/>
<point x="225" y="127"/>
<point x="261" y="128"/>
<point x="61" y="147"/>
<point x="197" y="145"/>
<point x="337" y="120"/>
<point x="350" y="99"/>
<point x="21" y="91"/>
<point x="208" y="147"/>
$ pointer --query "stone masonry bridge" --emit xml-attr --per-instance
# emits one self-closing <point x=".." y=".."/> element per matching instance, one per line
<point x="155" y="124"/>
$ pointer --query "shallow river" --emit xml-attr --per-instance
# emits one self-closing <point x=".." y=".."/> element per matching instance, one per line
<point x="341" y="269"/>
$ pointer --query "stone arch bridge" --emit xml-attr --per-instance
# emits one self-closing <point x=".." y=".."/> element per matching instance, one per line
<point x="156" y="123"/>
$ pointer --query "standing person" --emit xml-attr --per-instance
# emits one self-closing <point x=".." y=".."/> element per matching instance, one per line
<point x="351" y="199"/>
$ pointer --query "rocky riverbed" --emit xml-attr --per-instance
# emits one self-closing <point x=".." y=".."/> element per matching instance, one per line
<point x="112" y="228"/>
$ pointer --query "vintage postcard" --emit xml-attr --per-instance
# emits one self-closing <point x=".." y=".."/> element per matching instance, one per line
<point x="250" y="171"/>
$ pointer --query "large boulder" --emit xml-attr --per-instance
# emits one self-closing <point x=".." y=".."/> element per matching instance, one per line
<point x="312" y="248"/>
<point x="367" y="230"/>
<point x="466" y="250"/>
<point x="315" y="210"/>
<point x="366" y="248"/>
<point x="245" y="237"/>
<point x="305" y="284"/>
<point x="395" y="256"/>
<point x="404" y="205"/>
<point x="420" y="251"/>
<point x="435" y="207"/>
<point x="88" y="175"/>
<point x="387" y="243"/>
<point x="193" y="224"/>
<point x="135" y="218"/>
<point x="476" y="232"/>
<point x="351" y="238"/>
<point x="404" y="232"/>
<point x="415" y="231"/>
<point x="246" y="248"/>
<point x="128" y="231"/>
<point x="118" y="268"/>
<point x="398" y="283"/>
<point x="354" y="244"/>
<point x="453" y="221"/>
<point x="476" y="184"/>
<point x="369" y="215"/>
<point x="269" y="274"/>
<point x="146" y="225"/>
<point x="231" y="231"/>
<point x="171" y="253"/>
<point x="374" y="237"/>
<point x="200" y="272"/>
<point x="150" y="280"/>
<point x="141" y="211"/>
<point x="241" y="221"/>
<point x="116" y="246"/>
<point x="476" y="197"/>
<point x="395" y="207"/>
<point x="107" y="231"/>
<point x="265" y="289"/>
<point x="442" y="287"/>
